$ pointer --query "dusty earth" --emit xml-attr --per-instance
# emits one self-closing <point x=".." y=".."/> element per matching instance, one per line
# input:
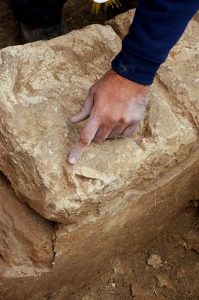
<point x="168" y="268"/>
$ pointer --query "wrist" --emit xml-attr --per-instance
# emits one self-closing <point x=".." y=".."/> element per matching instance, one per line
<point x="137" y="87"/>
<point x="135" y="68"/>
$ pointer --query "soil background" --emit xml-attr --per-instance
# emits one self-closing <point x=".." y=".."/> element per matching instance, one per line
<point x="168" y="268"/>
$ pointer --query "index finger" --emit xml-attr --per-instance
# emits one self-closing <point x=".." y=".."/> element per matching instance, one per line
<point x="86" y="136"/>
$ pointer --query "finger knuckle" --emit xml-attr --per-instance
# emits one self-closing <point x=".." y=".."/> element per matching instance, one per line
<point x="83" y="140"/>
<point x="123" y="121"/>
<point x="110" y="119"/>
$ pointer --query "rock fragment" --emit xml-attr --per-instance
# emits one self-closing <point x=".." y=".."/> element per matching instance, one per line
<point x="164" y="282"/>
<point x="155" y="261"/>
<point x="122" y="22"/>
<point x="192" y="240"/>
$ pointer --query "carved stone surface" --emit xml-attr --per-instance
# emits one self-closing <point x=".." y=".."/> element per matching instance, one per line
<point x="41" y="87"/>
<point x="120" y="194"/>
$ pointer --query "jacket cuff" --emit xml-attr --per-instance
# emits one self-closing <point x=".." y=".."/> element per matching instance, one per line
<point x="135" y="67"/>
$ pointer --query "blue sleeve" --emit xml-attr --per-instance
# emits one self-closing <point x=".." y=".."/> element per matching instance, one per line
<point x="157" y="26"/>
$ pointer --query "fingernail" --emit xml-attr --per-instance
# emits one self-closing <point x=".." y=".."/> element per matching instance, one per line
<point x="73" y="119"/>
<point x="72" y="160"/>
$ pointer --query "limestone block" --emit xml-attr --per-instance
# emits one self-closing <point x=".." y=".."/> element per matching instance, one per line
<point x="85" y="249"/>
<point x="122" y="22"/>
<point x="121" y="193"/>
<point x="25" y="238"/>
<point x="41" y="87"/>
<point x="44" y="84"/>
<point x="181" y="80"/>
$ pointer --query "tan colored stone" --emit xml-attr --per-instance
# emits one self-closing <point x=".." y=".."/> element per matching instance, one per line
<point x="122" y="22"/>
<point x="25" y="238"/>
<point x="41" y="86"/>
<point x="155" y="261"/>
<point x="121" y="193"/>
<point x="181" y="80"/>
<point x="163" y="281"/>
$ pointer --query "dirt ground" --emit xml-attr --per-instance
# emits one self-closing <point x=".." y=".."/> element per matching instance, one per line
<point x="168" y="268"/>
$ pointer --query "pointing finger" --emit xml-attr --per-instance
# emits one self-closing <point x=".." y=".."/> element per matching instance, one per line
<point x="85" y="139"/>
<point x="85" y="109"/>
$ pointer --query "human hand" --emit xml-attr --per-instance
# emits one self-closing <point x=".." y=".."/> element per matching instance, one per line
<point x="114" y="107"/>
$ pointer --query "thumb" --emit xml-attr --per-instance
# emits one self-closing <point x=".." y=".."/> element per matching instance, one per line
<point x="85" y="110"/>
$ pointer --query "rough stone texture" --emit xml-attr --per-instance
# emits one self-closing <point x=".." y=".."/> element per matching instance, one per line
<point x="105" y="207"/>
<point x="181" y="80"/>
<point x="82" y="251"/>
<point x="42" y="85"/>
<point x="122" y="22"/>
<point x="25" y="238"/>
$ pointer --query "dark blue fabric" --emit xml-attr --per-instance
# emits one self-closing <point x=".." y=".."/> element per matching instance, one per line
<point x="157" y="26"/>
